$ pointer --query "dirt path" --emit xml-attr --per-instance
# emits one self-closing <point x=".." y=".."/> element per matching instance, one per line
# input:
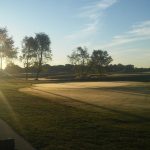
<point x="7" y="132"/>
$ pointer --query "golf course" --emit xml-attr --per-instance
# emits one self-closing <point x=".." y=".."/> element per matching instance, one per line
<point x="78" y="115"/>
<point x="75" y="75"/>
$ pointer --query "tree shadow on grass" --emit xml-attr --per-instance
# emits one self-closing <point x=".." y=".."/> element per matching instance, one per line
<point x="133" y="117"/>
<point x="134" y="90"/>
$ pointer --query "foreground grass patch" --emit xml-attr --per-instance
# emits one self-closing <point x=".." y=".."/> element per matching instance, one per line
<point x="51" y="125"/>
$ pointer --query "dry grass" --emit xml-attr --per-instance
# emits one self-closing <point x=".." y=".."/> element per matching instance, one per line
<point x="79" y="116"/>
<point x="120" y="95"/>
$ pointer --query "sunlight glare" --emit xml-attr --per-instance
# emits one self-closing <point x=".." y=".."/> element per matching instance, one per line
<point x="9" y="108"/>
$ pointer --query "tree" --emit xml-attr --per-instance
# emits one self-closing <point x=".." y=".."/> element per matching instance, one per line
<point x="100" y="59"/>
<point x="12" y="68"/>
<point x="79" y="58"/>
<point x="43" y="51"/>
<point x="28" y="52"/>
<point x="7" y="49"/>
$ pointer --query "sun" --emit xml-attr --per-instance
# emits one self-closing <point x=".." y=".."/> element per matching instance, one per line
<point x="3" y="64"/>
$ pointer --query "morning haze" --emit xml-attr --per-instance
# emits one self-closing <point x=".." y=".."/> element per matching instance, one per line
<point x="74" y="75"/>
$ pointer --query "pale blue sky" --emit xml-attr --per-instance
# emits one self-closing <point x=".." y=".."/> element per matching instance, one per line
<point x="122" y="27"/>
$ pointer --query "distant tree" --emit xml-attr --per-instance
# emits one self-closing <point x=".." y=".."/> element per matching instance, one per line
<point x="46" y="68"/>
<point x="7" y="49"/>
<point x="43" y="51"/>
<point x="100" y="59"/>
<point x="129" y="68"/>
<point x="79" y="58"/>
<point x="12" y="68"/>
<point x="74" y="58"/>
<point x="28" y="52"/>
<point x="121" y="68"/>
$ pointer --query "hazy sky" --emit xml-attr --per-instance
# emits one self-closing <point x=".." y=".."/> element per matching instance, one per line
<point x="122" y="27"/>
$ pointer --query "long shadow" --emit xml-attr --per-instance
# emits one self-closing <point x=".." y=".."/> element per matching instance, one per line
<point x="125" y="77"/>
<point x="140" y="118"/>
<point x="125" y="90"/>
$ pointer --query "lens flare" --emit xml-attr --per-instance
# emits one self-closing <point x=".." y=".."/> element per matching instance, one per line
<point x="9" y="109"/>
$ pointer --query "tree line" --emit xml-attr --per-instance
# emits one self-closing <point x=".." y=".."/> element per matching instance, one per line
<point x="36" y="53"/>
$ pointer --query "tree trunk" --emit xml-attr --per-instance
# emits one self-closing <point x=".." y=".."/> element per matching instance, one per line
<point x="100" y="70"/>
<point x="37" y="73"/>
<point x="39" y="67"/>
<point x="1" y="62"/>
<point x="38" y="70"/>
<point x="27" y="68"/>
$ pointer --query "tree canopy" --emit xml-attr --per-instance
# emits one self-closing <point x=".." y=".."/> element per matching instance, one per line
<point x="28" y="52"/>
<point x="7" y="48"/>
<point x="100" y="59"/>
<point x="43" y="51"/>
<point x="79" y="58"/>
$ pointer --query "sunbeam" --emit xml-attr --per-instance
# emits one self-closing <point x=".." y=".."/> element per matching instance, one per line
<point x="10" y="109"/>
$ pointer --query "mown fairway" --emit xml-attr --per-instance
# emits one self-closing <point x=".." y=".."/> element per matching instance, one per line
<point x="79" y="116"/>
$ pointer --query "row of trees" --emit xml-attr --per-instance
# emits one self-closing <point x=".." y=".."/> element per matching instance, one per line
<point x="84" y="63"/>
<point x="69" y="69"/>
<point x="35" y="50"/>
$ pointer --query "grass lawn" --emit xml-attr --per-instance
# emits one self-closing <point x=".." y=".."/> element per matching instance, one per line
<point x="50" y="125"/>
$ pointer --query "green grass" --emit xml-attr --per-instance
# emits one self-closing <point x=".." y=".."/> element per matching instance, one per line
<point x="49" y="125"/>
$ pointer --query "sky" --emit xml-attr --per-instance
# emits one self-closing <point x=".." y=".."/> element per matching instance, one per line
<point x="122" y="27"/>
